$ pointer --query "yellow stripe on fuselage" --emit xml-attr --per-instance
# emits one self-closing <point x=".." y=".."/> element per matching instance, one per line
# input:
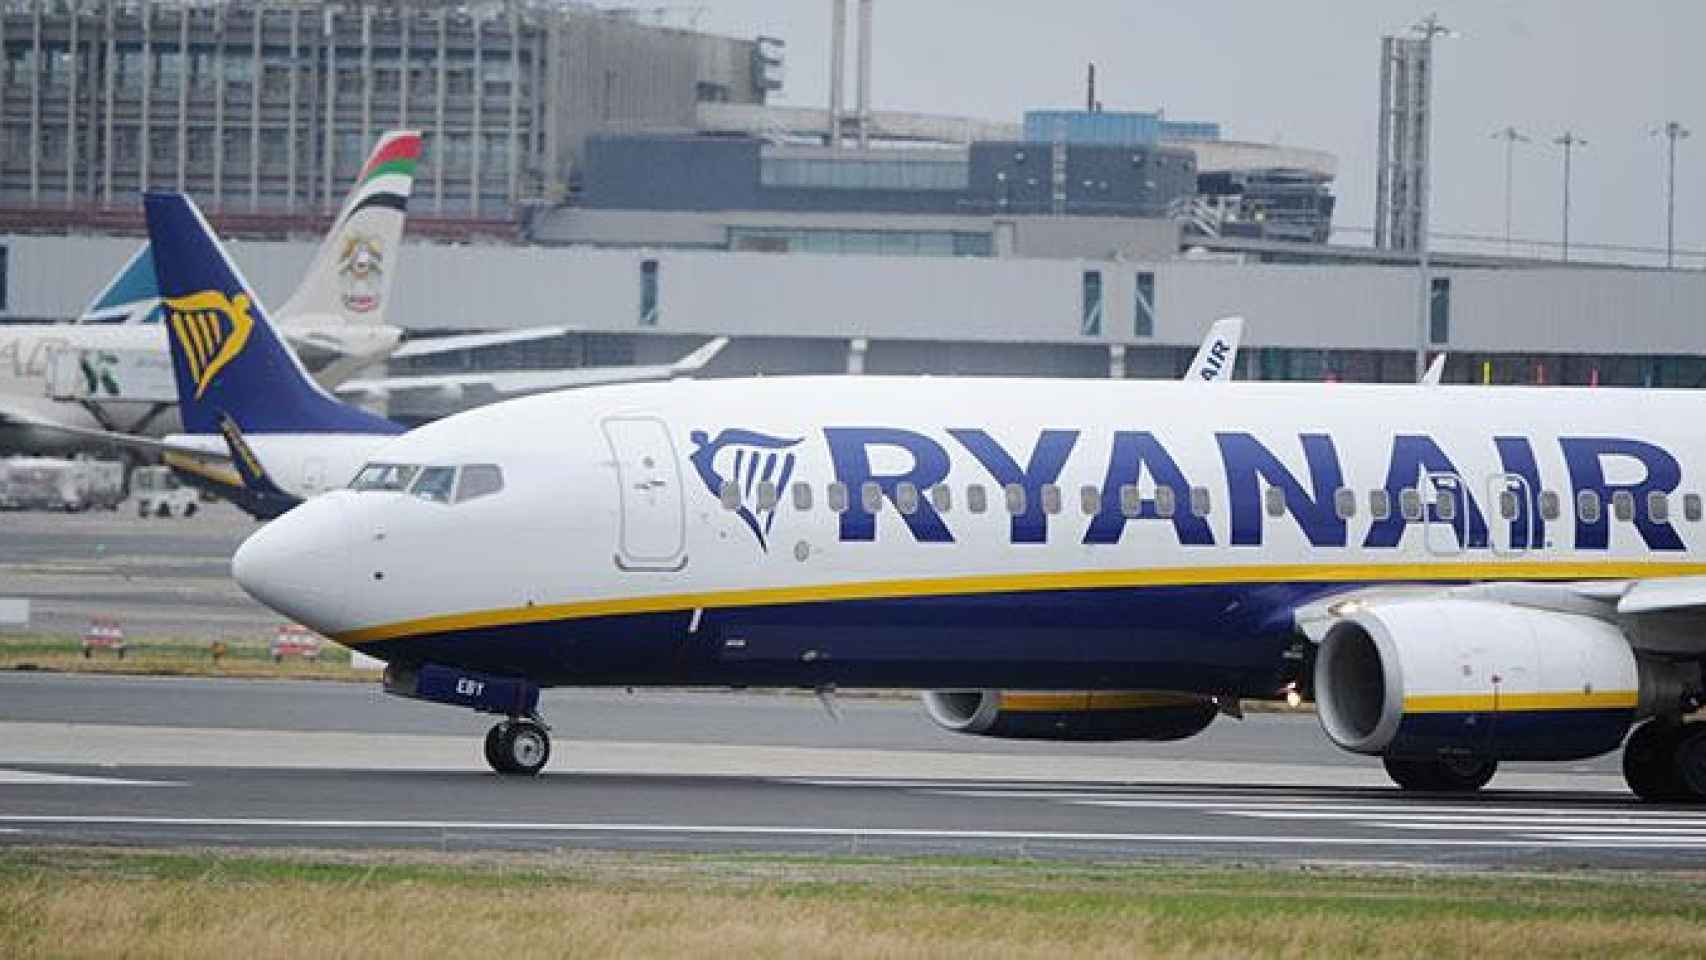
<point x="1032" y="583"/>
<point x="1491" y="702"/>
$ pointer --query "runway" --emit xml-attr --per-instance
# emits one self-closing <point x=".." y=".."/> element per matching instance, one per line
<point x="169" y="763"/>
<point x="158" y="577"/>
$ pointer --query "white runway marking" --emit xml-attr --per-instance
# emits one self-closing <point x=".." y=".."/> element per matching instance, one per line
<point x="888" y="833"/>
<point x="1549" y="825"/>
<point x="13" y="778"/>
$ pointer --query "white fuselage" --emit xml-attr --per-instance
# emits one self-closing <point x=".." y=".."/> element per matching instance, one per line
<point x="611" y="511"/>
<point x="301" y="464"/>
<point x="28" y="354"/>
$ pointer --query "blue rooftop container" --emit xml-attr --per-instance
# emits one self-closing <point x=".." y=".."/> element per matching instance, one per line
<point x="1125" y="128"/>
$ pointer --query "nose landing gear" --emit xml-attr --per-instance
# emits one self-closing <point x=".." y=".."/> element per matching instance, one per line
<point x="519" y="746"/>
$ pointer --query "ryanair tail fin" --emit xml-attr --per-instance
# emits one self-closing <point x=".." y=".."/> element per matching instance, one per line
<point x="228" y="359"/>
<point x="350" y="278"/>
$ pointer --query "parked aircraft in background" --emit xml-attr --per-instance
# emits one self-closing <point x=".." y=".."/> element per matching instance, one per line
<point x="69" y="386"/>
<point x="261" y="431"/>
<point x="1218" y="356"/>
<point x="1458" y="576"/>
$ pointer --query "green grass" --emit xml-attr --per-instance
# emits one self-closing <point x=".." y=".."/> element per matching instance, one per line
<point x="80" y="901"/>
<point x="172" y="656"/>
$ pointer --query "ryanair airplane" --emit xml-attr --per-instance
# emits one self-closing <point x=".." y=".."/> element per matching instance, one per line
<point x="1457" y="576"/>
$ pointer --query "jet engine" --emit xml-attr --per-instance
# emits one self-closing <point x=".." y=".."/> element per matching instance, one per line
<point x="1422" y="678"/>
<point x="1071" y="715"/>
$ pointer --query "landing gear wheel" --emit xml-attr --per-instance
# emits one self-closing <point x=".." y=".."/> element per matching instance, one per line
<point x="518" y="747"/>
<point x="1442" y="774"/>
<point x="1689" y="762"/>
<point x="1651" y="761"/>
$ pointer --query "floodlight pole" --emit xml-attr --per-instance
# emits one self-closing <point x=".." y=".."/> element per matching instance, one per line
<point x="1511" y="136"/>
<point x="1569" y="141"/>
<point x="1426" y="29"/>
<point x="1673" y="132"/>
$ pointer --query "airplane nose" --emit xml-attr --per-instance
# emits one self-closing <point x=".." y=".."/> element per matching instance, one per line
<point x="299" y="564"/>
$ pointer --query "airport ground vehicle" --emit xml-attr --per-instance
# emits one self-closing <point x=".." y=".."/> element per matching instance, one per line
<point x="158" y="493"/>
<point x="49" y="483"/>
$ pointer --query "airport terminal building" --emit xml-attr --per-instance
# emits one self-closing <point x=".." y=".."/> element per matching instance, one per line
<point x="270" y="106"/>
<point x="630" y="180"/>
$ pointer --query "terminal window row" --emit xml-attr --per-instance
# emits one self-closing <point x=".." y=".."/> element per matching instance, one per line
<point x="906" y="243"/>
<point x="1014" y="499"/>
<point x="907" y="174"/>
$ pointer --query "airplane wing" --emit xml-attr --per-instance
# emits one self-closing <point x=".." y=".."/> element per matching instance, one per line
<point x="520" y="382"/>
<point x="1218" y="354"/>
<point x="1435" y="370"/>
<point x="429" y="346"/>
<point x="128" y="441"/>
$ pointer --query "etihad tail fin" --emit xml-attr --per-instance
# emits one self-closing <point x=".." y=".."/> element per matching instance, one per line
<point x="349" y="280"/>
<point x="227" y="357"/>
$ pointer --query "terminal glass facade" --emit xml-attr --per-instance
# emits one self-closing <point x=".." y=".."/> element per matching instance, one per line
<point x="891" y="243"/>
<point x="863" y="174"/>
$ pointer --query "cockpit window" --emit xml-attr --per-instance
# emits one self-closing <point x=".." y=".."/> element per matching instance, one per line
<point x="384" y="476"/>
<point x="479" y="480"/>
<point x="435" y="484"/>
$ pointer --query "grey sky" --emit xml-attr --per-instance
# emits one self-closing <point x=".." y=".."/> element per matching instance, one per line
<point x="1303" y="72"/>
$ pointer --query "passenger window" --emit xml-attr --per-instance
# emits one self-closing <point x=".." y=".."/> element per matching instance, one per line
<point x="1379" y="504"/>
<point x="1410" y="504"/>
<point x="1658" y="507"/>
<point x="1090" y="500"/>
<point x="941" y="498"/>
<point x="1131" y="503"/>
<point x="1051" y="499"/>
<point x="1623" y="505"/>
<point x="838" y="497"/>
<point x="435" y="484"/>
<point x="977" y="500"/>
<point x="1691" y="506"/>
<point x="1165" y="502"/>
<point x="1587" y="506"/>
<point x="1550" y="508"/>
<point x="1200" y="503"/>
<point x="1015" y="496"/>
<point x="766" y="495"/>
<point x="1445" y="506"/>
<point x="479" y="480"/>
<point x="802" y="496"/>
<point x="1276" y="501"/>
<point x="906" y="498"/>
<point x="729" y="495"/>
<point x="1345" y="503"/>
<point x="871" y="496"/>
<point x="1507" y="505"/>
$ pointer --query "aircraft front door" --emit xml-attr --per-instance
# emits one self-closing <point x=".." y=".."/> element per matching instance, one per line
<point x="653" y="533"/>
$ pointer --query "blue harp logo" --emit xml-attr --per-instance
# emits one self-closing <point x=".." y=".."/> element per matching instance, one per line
<point x="746" y="459"/>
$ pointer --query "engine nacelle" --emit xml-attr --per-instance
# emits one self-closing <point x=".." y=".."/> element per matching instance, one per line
<point x="1071" y="715"/>
<point x="1417" y="678"/>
